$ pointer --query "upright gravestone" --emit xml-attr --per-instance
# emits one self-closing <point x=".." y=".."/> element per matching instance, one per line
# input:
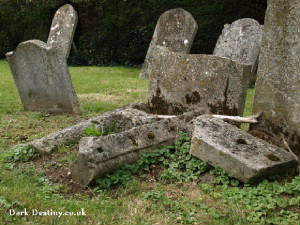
<point x="277" y="92"/>
<point x="40" y="70"/>
<point x="240" y="41"/>
<point x="176" y="30"/>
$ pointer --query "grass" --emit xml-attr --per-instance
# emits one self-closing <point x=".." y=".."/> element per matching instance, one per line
<point x="143" y="199"/>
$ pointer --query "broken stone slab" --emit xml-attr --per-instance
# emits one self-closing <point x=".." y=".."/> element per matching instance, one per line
<point x="100" y="155"/>
<point x="63" y="28"/>
<point x="125" y="118"/>
<point x="40" y="70"/>
<point x="277" y="90"/>
<point x="244" y="156"/>
<point x="176" y="30"/>
<point x="178" y="81"/>
<point x="42" y="77"/>
<point x="240" y="41"/>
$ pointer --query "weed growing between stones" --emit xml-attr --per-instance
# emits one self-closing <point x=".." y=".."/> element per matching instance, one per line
<point x="268" y="202"/>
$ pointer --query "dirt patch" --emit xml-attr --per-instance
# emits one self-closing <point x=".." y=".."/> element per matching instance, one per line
<point x="56" y="166"/>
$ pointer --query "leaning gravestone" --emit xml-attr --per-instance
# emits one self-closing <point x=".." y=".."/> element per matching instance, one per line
<point x="240" y="41"/>
<point x="176" y="30"/>
<point x="62" y="29"/>
<point x="277" y="90"/>
<point x="181" y="81"/>
<point x="40" y="70"/>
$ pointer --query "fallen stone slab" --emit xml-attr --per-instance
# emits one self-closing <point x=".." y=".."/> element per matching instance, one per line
<point x="125" y="118"/>
<point x="240" y="41"/>
<point x="179" y="81"/>
<point x="100" y="155"/>
<point x="277" y="89"/>
<point x="244" y="156"/>
<point x="176" y="30"/>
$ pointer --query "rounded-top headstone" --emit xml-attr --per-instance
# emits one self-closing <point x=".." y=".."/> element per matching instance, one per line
<point x="63" y="28"/>
<point x="240" y="41"/>
<point x="175" y="30"/>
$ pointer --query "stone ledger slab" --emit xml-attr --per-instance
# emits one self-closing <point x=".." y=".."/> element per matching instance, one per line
<point x="176" y="30"/>
<point x="277" y="91"/>
<point x="240" y="41"/>
<point x="244" y="156"/>
<point x="178" y="81"/>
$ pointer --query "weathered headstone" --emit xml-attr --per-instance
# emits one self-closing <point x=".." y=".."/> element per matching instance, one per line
<point x="40" y="70"/>
<point x="277" y="90"/>
<point x="176" y="30"/>
<point x="179" y="81"/>
<point x="63" y="28"/>
<point x="240" y="41"/>
<point x="244" y="156"/>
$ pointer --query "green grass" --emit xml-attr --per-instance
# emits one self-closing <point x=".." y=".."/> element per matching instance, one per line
<point x="142" y="199"/>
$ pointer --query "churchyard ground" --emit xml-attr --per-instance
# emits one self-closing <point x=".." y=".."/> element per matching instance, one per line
<point x="156" y="194"/>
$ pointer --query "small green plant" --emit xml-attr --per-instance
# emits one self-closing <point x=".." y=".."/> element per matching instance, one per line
<point x="93" y="131"/>
<point x="112" y="128"/>
<point x="21" y="153"/>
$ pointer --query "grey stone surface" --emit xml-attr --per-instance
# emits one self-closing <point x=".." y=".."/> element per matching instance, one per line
<point x="40" y="70"/>
<point x="240" y="41"/>
<point x="179" y="81"/>
<point x="244" y="156"/>
<point x="100" y="155"/>
<point x="176" y="30"/>
<point x="42" y="77"/>
<point x="277" y="90"/>
<point x="63" y="28"/>
<point x="126" y="118"/>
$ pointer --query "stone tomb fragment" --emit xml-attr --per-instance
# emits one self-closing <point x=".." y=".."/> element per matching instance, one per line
<point x="176" y="30"/>
<point x="244" y="156"/>
<point x="179" y="81"/>
<point x="277" y="91"/>
<point x="100" y="155"/>
<point x="40" y="70"/>
<point x="240" y="41"/>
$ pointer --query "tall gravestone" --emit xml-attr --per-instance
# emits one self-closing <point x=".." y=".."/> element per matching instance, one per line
<point x="40" y="70"/>
<point x="240" y="41"/>
<point x="176" y="30"/>
<point x="277" y="92"/>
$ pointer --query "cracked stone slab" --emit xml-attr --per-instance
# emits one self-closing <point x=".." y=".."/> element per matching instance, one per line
<point x="100" y="155"/>
<point x="178" y="81"/>
<point x="244" y="156"/>
<point x="277" y="90"/>
<point x="240" y="41"/>
<point x="125" y="118"/>
<point x="176" y="30"/>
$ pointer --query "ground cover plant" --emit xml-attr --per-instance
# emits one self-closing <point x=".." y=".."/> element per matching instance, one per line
<point x="167" y="186"/>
